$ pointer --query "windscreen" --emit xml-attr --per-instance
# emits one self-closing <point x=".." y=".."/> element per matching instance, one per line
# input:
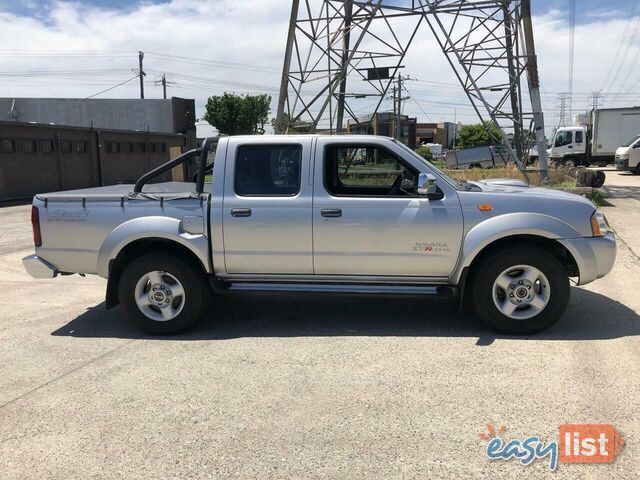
<point x="632" y="141"/>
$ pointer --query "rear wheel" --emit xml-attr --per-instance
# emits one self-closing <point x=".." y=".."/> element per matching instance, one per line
<point x="521" y="290"/>
<point x="163" y="294"/>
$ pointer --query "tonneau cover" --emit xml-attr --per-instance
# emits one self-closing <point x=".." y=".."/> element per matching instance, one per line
<point x="154" y="190"/>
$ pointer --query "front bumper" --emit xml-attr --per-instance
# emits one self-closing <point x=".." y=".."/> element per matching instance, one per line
<point x="594" y="256"/>
<point x="39" y="268"/>
<point x="622" y="163"/>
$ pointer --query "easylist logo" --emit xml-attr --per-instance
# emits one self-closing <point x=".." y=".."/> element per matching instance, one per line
<point x="577" y="443"/>
<point x="589" y="443"/>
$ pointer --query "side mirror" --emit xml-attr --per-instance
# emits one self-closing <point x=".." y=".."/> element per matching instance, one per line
<point x="427" y="184"/>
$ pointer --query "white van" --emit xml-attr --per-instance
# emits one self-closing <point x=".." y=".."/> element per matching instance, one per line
<point x="628" y="156"/>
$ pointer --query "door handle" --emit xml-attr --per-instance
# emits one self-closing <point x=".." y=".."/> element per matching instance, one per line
<point x="570" y="146"/>
<point x="331" y="212"/>
<point x="240" y="212"/>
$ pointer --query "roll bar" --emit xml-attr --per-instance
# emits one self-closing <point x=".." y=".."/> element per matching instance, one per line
<point x="202" y="152"/>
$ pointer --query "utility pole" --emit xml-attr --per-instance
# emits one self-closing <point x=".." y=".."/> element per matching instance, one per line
<point x="141" y="74"/>
<point x="455" y="126"/>
<point x="394" y="119"/>
<point x="397" y="106"/>
<point x="163" y="81"/>
<point x="397" y="133"/>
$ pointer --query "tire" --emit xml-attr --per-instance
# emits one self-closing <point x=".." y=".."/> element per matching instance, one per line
<point x="598" y="179"/>
<point x="173" y="293"/>
<point x="569" y="162"/>
<point x="548" y="293"/>
<point x="636" y="171"/>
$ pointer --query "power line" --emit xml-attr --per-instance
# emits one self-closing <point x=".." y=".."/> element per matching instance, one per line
<point x="627" y="48"/>
<point x="622" y="41"/>
<point x="111" y="88"/>
<point x="416" y="102"/>
<point x="215" y="63"/>
<point x="572" y="38"/>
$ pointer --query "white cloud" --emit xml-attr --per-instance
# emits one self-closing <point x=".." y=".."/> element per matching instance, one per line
<point x="253" y="32"/>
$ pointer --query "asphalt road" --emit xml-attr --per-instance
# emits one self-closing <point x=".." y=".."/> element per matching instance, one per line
<point x="305" y="386"/>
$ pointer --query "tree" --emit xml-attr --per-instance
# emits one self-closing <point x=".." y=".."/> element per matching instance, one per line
<point x="425" y="152"/>
<point x="479" y="135"/>
<point x="234" y="114"/>
<point x="294" y="127"/>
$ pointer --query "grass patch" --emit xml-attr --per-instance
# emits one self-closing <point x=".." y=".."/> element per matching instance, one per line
<point x="598" y="198"/>
<point x="558" y="177"/>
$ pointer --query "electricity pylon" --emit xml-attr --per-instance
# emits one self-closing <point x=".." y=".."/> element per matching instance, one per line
<point x="339" y="50"/>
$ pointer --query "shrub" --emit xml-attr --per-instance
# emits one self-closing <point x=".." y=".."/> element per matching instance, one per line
<point x="425" y="152"/>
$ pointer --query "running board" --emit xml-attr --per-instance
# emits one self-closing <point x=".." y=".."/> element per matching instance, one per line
<point x="439" y="290"/>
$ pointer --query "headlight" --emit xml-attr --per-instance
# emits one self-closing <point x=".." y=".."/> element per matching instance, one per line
<point x="599" y="225"/>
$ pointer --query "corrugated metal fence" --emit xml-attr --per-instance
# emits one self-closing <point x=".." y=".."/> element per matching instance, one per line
<point x="44" y="158"/>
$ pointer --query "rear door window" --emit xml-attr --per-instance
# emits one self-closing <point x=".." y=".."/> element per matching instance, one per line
<point x="268" y="170"/>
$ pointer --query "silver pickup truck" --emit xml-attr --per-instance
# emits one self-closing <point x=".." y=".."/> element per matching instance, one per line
<point x="326" y="214"/>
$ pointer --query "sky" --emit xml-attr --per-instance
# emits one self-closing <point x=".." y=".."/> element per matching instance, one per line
<point x="58" y="48"/>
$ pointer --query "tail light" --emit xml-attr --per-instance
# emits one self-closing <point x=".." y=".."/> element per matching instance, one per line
<point x="35" y="223"/>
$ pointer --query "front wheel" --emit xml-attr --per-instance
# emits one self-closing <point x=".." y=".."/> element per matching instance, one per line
<point x="521" y="290"/>
<point x="163" y="294"/>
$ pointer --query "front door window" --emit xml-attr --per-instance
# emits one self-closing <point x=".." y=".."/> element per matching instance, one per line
<point x="364" y="170"/>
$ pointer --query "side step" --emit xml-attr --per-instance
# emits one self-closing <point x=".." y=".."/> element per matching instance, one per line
<point x="439" y="290"/>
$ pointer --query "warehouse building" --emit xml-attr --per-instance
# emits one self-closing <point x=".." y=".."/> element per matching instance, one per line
<point x="52" y="144"/>
<point x="383" y="123"/>
<point x="175" y="115"/>
<point x="412" y="134"/>
<point x="441" y="133"/>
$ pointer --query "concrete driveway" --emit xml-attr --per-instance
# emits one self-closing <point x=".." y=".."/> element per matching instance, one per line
<point x="304" y="386"/>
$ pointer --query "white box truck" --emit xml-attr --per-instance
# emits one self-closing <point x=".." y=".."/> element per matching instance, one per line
<point x="597" y="142"/>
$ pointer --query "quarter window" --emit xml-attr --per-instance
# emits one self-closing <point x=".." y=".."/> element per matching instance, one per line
<point x="579" y="137"/>
<point x="268" y="170"/>
<point x="365" y="170"/>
